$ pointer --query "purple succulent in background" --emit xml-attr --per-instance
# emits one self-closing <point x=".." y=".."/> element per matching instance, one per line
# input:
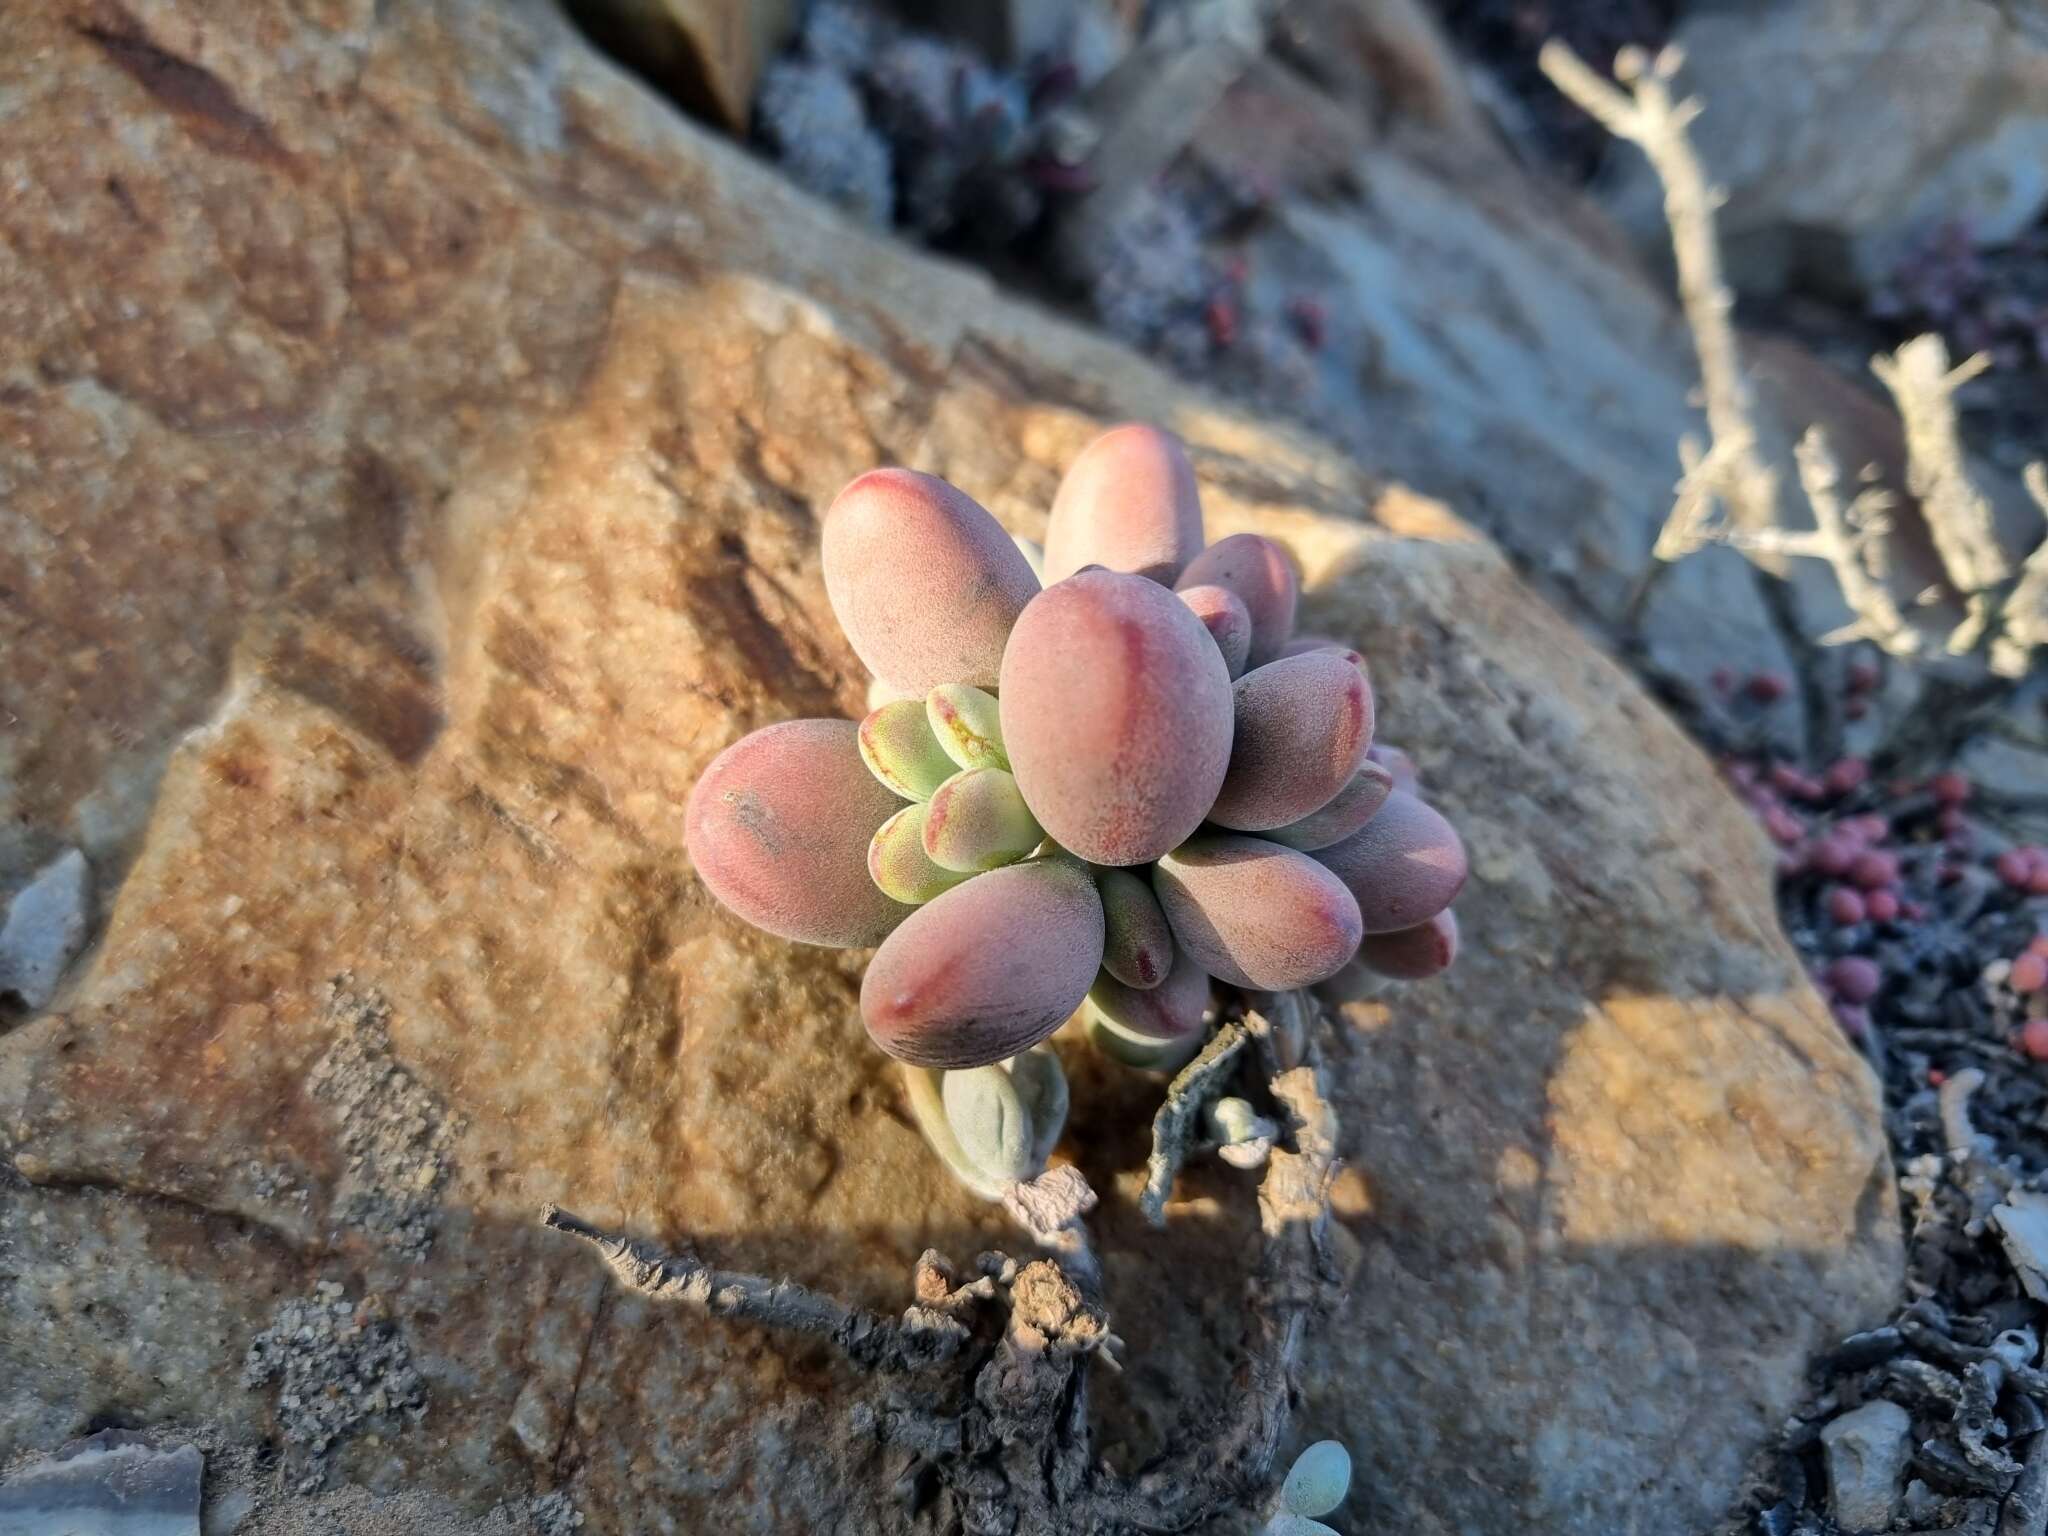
<point x="1101" y="793"/>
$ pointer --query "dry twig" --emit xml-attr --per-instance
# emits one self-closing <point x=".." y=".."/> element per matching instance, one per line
<point x="1176" y="1127"/>
<point x="1731" y="471"/>
<point x="1923" y="386"/>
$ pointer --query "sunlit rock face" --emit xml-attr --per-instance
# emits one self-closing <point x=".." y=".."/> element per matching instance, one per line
<point x="415" y="439"/>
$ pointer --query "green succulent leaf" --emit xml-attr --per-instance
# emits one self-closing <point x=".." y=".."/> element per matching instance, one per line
<point x="968" y="724"/>
<point x="1147" y="1054"/>
<point x="978" y="820"/>
<point x="1042" y="1085"/>
<point x="989" y="1121"/>
<point x="897" y="744"/>
<point x="900" y="866"/>
<point x="1319" y="1479"/>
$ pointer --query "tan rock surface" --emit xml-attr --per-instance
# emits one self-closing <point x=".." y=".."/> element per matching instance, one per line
<point x="411" y="437"/>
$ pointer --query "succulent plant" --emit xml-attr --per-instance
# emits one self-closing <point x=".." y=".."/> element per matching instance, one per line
<point x="1102" y="790"/>
<point x="992" y="1126"/>
<point x="1315" y="1485"/>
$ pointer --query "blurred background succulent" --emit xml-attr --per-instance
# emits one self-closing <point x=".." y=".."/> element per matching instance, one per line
<point x="1102" y="777"/>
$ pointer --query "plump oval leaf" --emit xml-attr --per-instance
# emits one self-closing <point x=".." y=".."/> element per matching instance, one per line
<point x="1303" y="724"/>
<point x="778" y="828"/>
<point x="1399" y="765"/>
<point x="977" y="820"/>
<point x="1138" y="946"/>
<point x="924" y="582"/>
<point x="1166" y="1056"/>
<point x="897" y="744"/>
<point x="1259" y="572"/>
<point x="1403" y="867"/>
<point x="1127" y="503"/>
<point x="898" y="864"/>
<point x="1355" y="805"/>
<point x="1116" y="713"/>
<point x="987" y="970"/>
<point x="1228" y="621"/>
<point x="1318" y="1480"/>
<point x="990" y="1121"/>
<point x="967" y="724"/>
<point x="1172" y="1010"/>
<point x="1413" y="954"/>
<point x="1256" y="914"/>
<point x="1042" y="1085"/>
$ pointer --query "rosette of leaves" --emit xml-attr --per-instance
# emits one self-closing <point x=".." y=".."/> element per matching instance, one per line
<point x="1102" y="778"/>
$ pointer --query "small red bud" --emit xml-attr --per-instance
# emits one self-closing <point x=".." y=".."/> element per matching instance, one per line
<point x="1862" y="675"/>
<point x="1854" y="978"/>
<point x="1873" y="869"/>
<point x="1833" y="855"/>
<point x="1311" y="323"/>
<point x="2014" y="868"/>
<point x="1883" y="907"/>
<point x="2029" y="972"/>
<point x="1846" y="906"/>
<point x="2034" y="1039"/>
<point x="1847" y="774"/>
<point x="1949" y="788"/>
<point x="1783" y="826"/>
<point x="1767" y="687"/>
<point x="1221" y="318"/>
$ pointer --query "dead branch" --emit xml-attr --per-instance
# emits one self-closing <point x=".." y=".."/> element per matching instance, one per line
<point x="1176" y="1127"/>
<point x="925" y="1336"/>
<point x="1923" y="386"/>
<point x="2026" y="1507"/>
<point x="1227" y="1461"/>
<point x="1053" y="1208"/>
<point x="1851" y="540"/>
<point x="1727" y="493"/>
<point x="2024" y="618"/>
<point x="1732" y="471"/>
<point x="1004" y="1426"/>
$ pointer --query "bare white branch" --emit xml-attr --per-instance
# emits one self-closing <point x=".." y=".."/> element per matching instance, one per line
<point x="1734" y="471"/>
<point x="1923" y="387"/>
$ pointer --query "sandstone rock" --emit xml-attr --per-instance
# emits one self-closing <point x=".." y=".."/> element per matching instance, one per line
<point x="1843" y="129"/>
<point x="421" y="433"/>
